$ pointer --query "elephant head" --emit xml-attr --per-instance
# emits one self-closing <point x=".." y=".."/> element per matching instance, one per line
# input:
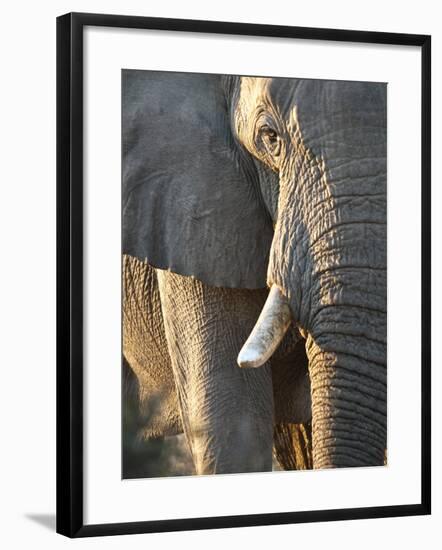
<point x="327" y="269"/>
<point x="246" y="182"/>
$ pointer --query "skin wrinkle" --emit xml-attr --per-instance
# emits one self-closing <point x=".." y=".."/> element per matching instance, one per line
<point x="346" y="347"/>
<point x="320" y="247"/>
<point x="362" y="385"/>
<point x="206" y="379"/>
<point x="208" y="191"/>
<point x="350" y="442"/>
<point x="318" y="230"/>
<point x="345" y="332"/>
<point x="145" y="348"/>
<point x="365" y="405"/>
<point x="352" y="428"/>
<point x="288" y="389"/>
<point x="328" y="421"/>
<point x="199" y="405"/>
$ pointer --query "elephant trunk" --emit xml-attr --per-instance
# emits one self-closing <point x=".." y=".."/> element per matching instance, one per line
<point x="337" y="293"/>
<point x="349" y="394"/>
<point x="346" y="349"/>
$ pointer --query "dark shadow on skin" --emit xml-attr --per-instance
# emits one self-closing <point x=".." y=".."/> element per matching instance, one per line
<point x="46" y="520"/>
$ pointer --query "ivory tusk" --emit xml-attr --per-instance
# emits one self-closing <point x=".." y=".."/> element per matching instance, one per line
<point x="272" y="324"/>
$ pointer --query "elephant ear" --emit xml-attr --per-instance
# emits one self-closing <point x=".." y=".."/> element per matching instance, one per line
<point x="191" y="203"/>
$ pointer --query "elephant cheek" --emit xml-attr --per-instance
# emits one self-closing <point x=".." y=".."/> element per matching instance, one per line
<point x="284" y="272"/>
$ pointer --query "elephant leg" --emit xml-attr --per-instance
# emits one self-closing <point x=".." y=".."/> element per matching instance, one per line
<point x="145" y="351"/>
<point x="227" y="412"/>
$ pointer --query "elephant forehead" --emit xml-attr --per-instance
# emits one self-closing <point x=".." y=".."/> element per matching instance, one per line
<point x="253" y="90"/>
<point x="253" y="99"/>
<point x="324" y="104"/>
<point x="319" y="104"/>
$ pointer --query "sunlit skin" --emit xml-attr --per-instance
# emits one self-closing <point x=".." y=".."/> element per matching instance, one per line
<point x="263" y="183"/>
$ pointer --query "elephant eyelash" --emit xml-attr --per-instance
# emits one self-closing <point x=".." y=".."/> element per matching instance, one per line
<point x="270" y="134"/>
<point x="271" y="140"/>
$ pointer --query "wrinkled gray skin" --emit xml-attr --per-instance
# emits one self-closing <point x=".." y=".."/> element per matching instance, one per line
<point x="231" y="183"/>
<point x="181" y="338"/>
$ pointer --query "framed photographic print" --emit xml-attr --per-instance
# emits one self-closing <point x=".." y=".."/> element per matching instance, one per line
<point x="243" y="274"/>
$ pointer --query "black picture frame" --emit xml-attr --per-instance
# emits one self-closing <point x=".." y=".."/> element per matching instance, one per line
<point x="70" y="273"/>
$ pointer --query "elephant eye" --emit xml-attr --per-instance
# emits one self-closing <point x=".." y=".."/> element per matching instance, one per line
<point x="269" y="133"/>
<point x="271" y="140"/>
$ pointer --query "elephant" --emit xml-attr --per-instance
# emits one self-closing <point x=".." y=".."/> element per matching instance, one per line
<point x="254" y="266"/>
